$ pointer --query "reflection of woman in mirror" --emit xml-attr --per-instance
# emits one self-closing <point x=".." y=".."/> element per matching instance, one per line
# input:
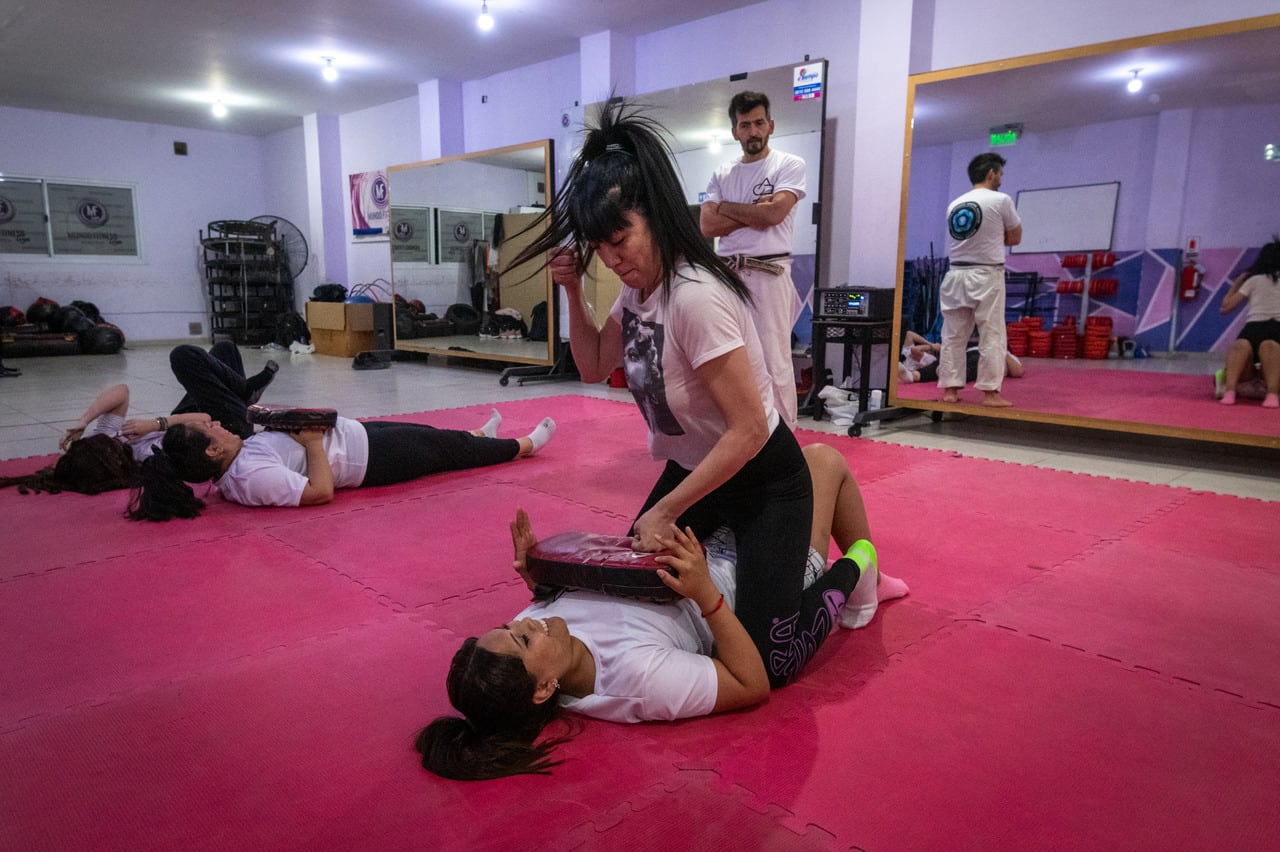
<point x="627" y="660"/>
<point x="1257" y="351"/>
<point x="732" y="461"/>
<point x="918" y="361"/>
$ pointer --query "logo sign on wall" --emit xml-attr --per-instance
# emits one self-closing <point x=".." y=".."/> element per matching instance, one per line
<point x="22" y="227"/>
<point x="370" y="203"/>
<point x="410" y="234"/>
<point x="92" y="220"/>
<point x="806" y="82"/>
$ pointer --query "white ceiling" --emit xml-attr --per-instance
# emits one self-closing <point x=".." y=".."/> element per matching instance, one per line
<point x="167" y="62"/>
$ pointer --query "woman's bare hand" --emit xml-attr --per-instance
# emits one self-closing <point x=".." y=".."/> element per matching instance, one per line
<point x="689" y="575"/>
<point x="564" y="267"/>
<point x="75" y="433"/>
<point x="523" y="540"/>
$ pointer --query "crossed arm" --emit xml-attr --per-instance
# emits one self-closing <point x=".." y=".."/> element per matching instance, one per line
<point x="718" y="218"/>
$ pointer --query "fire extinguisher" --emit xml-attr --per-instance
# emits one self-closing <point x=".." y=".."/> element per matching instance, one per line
<point x="1192" y="273"/>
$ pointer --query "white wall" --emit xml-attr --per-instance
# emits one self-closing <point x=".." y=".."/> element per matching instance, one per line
<point x="519" y="106"/>
<point x="285" y="186"/>
<point x="158" y="294"/>
<point x="374" y="139"/>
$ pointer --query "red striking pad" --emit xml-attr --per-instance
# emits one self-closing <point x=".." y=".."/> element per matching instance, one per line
<point x="286" y="419"/>
<point x="602" y="563"/>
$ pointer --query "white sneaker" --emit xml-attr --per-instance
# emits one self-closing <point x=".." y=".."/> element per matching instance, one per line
<point x="860" y="608"/>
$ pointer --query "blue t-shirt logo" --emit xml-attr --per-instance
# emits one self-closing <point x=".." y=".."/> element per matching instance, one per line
<point x="964" y="220"/>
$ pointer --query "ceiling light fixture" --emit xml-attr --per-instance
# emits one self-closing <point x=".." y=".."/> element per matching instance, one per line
<point x="1134" y="85"/>
<point x="219" y="109"/>
<point x="485" y="21"/>
<point x="329" y="72"/>
<point x="1271" y="152"/>
<point x="714" y="145"/>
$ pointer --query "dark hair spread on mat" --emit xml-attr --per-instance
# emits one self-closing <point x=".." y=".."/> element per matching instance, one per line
<point x="163" y="492"/>
<point x="90" y="465"/>
<point x="626" y="166"/>
<point x="499" y="734"/>
<point x="1268" y="262"/>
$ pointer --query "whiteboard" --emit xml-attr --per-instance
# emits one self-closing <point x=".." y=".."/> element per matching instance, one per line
<point x="1067" y="218"/>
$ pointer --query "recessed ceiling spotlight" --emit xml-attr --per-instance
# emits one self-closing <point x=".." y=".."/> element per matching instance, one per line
<point x="219" y="109"/>
<point x="329" y="72"/>
<point x="1271" y="152"/>
<point x="714" y="145"/>
<point x="1135" y="84"/>
<point x="485" y="21"/>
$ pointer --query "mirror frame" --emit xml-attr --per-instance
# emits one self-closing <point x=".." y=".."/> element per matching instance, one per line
<point x="470" y="346"/>
<point x="1098" y="49"/>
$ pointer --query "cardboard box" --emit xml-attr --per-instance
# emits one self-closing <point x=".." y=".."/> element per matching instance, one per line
<point x="345" y="329"/>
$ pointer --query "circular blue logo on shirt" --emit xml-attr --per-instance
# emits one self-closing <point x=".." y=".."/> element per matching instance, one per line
<point x="964" y="220"/>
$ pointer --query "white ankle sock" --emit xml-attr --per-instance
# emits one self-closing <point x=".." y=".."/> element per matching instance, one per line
<point x="490" y="428"/>
<point x="860" y="608"/>
<point x="542" y="433"/>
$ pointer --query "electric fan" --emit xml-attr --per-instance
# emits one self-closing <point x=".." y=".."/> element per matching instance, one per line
<point x="289" y="242"/>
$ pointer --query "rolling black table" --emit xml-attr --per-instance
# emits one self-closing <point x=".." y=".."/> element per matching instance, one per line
<point x="851" y="333"/>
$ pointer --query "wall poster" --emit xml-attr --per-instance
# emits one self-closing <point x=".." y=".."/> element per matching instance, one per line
<point x="92" y="220"/>
<point x="22" y="224"/>
<point x="370" y="203"/>
<point x="411" y="234"/>
<point x="455" y="231"/>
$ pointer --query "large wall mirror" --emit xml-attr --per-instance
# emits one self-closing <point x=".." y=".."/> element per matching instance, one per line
<point x="697" y="117"/>
<point x="455" y="222"/>
<point x="1195" y="152"/>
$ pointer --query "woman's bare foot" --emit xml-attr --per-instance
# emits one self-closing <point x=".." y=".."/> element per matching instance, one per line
<point x="951" y="395"/>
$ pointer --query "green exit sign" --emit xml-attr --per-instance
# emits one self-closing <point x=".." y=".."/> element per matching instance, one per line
<point x="1003" y="138"/>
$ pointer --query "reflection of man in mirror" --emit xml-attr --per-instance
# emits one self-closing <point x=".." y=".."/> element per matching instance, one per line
<point x="750" y="205"/>
<point x="980" y="224"/>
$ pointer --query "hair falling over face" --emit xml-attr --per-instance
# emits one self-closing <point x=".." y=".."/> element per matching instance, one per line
<point x="625" y="167"/>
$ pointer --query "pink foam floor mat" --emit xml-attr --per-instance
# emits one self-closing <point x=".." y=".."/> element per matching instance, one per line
<point x="1137" y="396"/>
<point x="1082" y="662"/>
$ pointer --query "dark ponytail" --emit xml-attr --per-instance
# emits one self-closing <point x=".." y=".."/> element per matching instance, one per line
<point x="163" y="493"/>
<point x="499" y="736"/>
<point x="90" y="465"/>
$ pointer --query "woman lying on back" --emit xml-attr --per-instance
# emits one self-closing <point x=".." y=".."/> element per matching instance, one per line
<point x="305" y="468"/>
<point x="627" y="660"/>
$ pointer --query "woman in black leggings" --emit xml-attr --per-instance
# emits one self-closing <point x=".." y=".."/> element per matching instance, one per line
<point x="304" y="468"/>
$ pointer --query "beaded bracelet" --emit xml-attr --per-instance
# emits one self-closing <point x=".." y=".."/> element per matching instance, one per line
<point x="713" y="609"/>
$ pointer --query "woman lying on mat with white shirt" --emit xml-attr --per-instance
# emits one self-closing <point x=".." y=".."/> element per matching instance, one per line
<point x="304" y="468"/>
<point x="628" y="660"/>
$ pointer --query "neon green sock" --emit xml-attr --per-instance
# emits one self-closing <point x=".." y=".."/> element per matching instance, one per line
<point x="861" y="605"/>
<point x="863" y="553"/>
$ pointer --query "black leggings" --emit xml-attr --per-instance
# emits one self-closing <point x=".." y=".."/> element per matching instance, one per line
<point x="215" y="384"/>
<point x="399" y="452"/>
<point x="769" y="506"/>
